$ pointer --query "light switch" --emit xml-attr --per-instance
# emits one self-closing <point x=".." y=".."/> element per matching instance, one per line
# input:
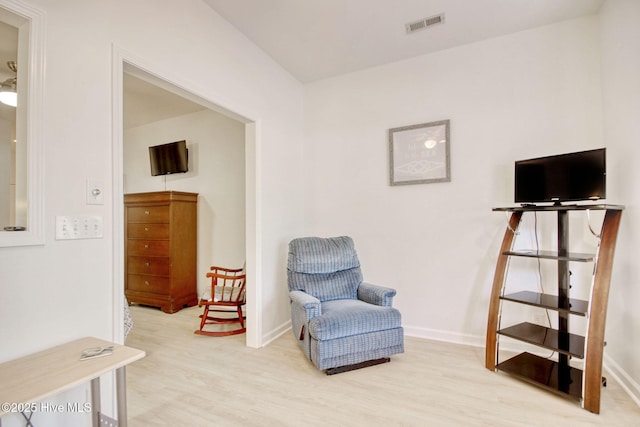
<point x="79" y="227"/>
<point x="95" y="193"/>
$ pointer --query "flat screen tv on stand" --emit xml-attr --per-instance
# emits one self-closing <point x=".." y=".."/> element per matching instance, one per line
<point x="570" y="177"/>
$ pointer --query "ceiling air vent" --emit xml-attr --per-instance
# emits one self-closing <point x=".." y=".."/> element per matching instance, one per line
<point x="424" y="23"/>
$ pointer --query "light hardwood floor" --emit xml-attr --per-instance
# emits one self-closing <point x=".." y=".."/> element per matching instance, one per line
<point x="193" y="380"/>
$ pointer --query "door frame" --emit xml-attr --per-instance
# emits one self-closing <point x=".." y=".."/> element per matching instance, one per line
<point x="125" y="62"/>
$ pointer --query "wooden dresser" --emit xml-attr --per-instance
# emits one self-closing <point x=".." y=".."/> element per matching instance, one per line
<point x="161" y="249"/>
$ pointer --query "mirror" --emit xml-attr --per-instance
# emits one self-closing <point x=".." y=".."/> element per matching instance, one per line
<point x="10" y="214"/>
<point x="21" y="154"/>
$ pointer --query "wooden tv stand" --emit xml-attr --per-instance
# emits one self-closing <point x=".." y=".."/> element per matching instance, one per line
<point x="557" y="376"/>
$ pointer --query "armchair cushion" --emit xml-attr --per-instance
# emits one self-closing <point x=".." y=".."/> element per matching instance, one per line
<point x="346" y="317"/>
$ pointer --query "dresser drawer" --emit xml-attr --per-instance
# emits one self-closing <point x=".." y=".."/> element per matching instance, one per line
<point x="156" y="266"/>
<point x="148" y="214"/>
<point x="148" y="247"/>
<point x="148" y="231"/>
<point x="157" y="285"/>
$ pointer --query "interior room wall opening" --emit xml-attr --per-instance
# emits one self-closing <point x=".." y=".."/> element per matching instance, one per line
<point x="155" y="112"/>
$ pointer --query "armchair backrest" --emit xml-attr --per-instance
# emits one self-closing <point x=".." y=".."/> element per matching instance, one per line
<point x="326" y="268"/>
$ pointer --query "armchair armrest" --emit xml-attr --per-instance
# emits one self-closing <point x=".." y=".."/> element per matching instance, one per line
<point x="303" y="301"/>
<point x="303" y="308"/>
<point x="374" y="294"/>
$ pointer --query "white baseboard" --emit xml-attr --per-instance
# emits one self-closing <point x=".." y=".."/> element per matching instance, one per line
<point x="276" y="333"/>
<point x="446" y="336"/>
<point x="622" y="377"/>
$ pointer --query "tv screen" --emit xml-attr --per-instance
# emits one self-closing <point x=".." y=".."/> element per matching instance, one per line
<point x="566" y="177"/>
<point x="169" y="158"/>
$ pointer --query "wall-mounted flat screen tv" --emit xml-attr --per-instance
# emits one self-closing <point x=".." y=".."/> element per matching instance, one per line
<point x="575" y="176"/>
<point x="169" y="158"/>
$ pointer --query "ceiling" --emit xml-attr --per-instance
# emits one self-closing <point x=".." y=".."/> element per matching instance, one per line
<point x="145" y="103"/>
<point x="316" y="39"/>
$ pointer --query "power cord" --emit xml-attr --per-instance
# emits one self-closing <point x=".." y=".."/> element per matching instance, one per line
<point x="540" y="281"/>
<point x="590" y="227"/>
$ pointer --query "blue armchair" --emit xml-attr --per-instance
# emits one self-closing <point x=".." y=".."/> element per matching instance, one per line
<point x="341" y="322"/>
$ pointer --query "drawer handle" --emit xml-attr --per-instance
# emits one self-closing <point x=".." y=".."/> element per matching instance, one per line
<point x="146" y="246"/>
<point x="146" y="212"/>
<point x="147" y="264"/>
<point x="146" y="229"/>
<point x="146" y="282"/>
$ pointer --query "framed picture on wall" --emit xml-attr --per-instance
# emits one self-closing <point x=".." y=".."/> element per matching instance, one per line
<point x="419" y="154"/>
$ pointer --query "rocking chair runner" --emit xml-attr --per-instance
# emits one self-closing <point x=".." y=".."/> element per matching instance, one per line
<point x="227" y="292"/>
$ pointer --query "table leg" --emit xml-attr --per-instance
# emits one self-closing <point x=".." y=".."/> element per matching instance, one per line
<point x="95" y="402"/>
<point x="121" y="396"/>
<point x="27" y="419"/>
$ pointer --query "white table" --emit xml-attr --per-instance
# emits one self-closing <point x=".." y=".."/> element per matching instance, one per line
<point x="32" y="378"/>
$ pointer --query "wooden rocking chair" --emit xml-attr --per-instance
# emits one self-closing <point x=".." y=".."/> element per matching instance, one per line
<point x="228" y="295"/>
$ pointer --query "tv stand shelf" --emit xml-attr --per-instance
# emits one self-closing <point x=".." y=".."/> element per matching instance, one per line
<point x="559" y="208"/>
<point x="576" y="307"/>
<point x="553" y="255"/>
<point x="544" y="373"/>
<point x="552" y="339"/>
<point x="557" y="376"/>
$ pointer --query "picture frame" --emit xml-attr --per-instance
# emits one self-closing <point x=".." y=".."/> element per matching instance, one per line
<point x="420" y="154"/>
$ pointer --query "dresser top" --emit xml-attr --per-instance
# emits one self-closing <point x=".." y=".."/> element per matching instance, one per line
<point x="160" y="196"/>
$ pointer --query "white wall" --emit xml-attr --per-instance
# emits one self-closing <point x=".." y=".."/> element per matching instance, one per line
<point x="216" y="173"/>
<point x="65" y="289"/>
<point x="525" y="95"/>
<point x="621" y="68"/>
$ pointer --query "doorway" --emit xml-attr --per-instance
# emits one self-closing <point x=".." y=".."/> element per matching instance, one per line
<point x="126" y="70"/>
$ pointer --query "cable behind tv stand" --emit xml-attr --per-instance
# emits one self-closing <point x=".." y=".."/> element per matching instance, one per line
<point x="556" y="376"/>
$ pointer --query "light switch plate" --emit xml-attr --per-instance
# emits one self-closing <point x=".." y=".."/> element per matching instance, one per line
<point x="95" y="193"/>
<point x="71" y="227"/>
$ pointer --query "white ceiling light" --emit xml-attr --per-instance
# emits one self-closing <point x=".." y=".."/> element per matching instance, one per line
<point x="8" y="93"/>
